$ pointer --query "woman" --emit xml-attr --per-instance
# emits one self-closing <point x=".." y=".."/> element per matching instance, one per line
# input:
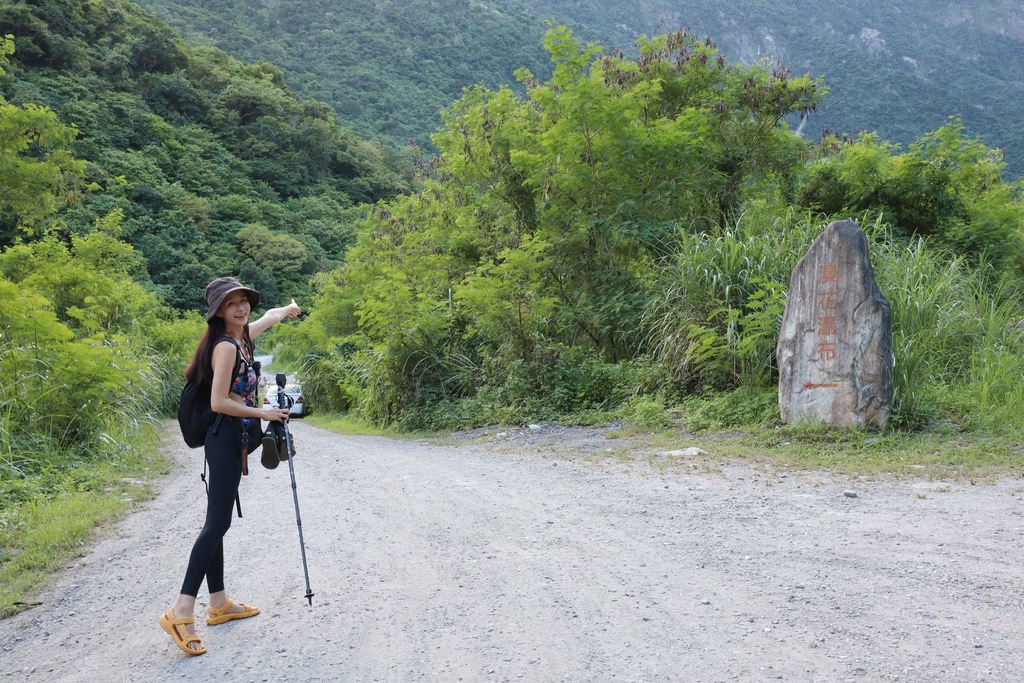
<point x="228" y="334"/>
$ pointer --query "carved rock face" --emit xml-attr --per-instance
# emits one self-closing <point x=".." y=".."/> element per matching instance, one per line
<point x="835" y="345"/>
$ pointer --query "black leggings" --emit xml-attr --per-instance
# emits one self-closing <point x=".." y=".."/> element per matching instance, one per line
<point x="224" y="456"/>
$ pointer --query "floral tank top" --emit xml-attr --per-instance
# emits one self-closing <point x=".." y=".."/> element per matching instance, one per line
<point x="245" y="384"/>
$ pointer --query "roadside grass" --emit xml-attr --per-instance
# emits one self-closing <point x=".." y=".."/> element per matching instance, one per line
<point x="57" y="516"/>
<point x="351" y="426"/>
<point x="343" y="424"/>
<point x="935" y="453"/>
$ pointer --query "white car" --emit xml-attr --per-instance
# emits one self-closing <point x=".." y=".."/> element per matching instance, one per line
<point x="292" y="391"/>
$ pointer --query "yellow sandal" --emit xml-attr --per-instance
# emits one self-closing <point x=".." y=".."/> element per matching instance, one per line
<point x="221" y="615"/>
<point x="170" y="623"/>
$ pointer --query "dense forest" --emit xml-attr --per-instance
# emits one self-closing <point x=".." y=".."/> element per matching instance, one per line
<point x="900" y="69"/>
<point x="214" y="165"/>
<point x="388" y="68"/>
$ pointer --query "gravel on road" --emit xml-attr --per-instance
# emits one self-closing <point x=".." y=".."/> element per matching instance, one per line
<point x="507" y="557"/>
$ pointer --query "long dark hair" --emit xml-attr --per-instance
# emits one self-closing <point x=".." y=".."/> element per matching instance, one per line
<point x="200" y="367"/>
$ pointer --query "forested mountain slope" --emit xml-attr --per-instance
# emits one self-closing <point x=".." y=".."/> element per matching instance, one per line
<point x="207" y="165"/>
<point x="900" y="68"/>
<point x="388" y="67"/>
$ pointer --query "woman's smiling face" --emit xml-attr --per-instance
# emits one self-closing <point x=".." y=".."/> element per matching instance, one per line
<point x="235" y="309"/>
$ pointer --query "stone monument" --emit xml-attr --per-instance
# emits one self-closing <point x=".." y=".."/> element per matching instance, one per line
<point x="835" y="345"/>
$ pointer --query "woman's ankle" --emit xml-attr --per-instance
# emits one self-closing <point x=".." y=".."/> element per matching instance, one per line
<point x="184" y="606"/>
<point x="218" y="599"/>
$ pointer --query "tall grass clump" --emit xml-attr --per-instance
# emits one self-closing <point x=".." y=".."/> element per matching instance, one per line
<point x="63" y="408"/>
<point x="715" y="322"/>
<point x="959" y="355"/>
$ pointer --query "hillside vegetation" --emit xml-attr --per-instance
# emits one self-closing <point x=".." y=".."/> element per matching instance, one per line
<point x="86" y="355"/>
<point x="621" y="240"/>
<point x="387" y="67"/>
<point x="135" y="168"/>
<point x="216" y="166"/>
<point x="900" y="68"/>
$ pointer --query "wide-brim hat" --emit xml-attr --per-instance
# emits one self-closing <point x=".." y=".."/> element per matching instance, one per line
<point x="218" y="290"/>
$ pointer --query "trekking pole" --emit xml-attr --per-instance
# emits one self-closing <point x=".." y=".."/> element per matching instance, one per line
<point x="283" y="402"/>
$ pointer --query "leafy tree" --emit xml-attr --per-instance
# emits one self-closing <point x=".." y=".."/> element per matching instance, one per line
<point x="550" y="214"/>
<point x="609" y="158"/>
<point x="285" y="255"/>
<point x="947" y="187"/>
<point x="36" y="169"/>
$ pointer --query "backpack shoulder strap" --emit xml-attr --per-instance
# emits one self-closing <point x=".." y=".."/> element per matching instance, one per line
<point x="238" y="357"/>
<point x="255" y="365"/>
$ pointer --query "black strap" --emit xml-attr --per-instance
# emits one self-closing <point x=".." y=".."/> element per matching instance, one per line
<point x="239" y="358"/>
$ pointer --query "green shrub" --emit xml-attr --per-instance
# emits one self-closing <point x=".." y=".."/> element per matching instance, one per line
<point x="743" y="406"/>
<point x="946" y="187"/>
<point x="558" y="382"/>
<point x="645" y="412"/>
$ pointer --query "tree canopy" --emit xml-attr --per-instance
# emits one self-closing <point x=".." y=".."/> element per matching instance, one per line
<point x="195" y="148"/>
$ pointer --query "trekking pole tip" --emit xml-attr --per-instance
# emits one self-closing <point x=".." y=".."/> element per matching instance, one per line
<point x="309" y="596"/>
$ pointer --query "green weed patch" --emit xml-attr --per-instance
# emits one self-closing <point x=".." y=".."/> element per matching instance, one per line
<point x="47" y="519"/>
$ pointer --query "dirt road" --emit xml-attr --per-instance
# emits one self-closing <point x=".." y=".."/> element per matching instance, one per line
<point x="474" y="563"/>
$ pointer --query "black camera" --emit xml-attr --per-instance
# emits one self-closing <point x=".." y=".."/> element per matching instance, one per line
<point x="276" y="443"/>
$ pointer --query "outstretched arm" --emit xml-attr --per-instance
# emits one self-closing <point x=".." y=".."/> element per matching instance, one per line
<point x="273" y="316"/>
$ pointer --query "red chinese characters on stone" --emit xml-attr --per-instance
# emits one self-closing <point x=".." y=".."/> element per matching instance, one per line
<point x="827" y="325"/>
<point x="828" y="273"/>
<point x="828" y="298"/>
<point x="828" y="301"/>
